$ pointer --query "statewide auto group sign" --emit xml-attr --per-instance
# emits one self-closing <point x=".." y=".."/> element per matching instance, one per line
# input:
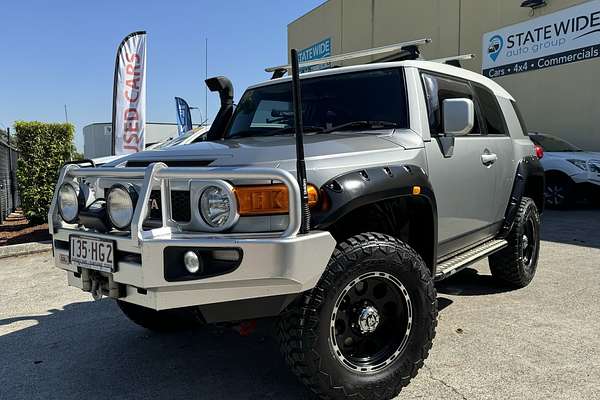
<point x="315" y="51"/>
<point x="563" y="37"/>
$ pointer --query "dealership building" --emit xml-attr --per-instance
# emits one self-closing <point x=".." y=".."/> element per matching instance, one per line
<point x="547" y="57"/>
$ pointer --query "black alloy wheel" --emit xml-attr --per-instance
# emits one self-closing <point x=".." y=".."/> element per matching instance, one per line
<point x="371" y="322"/>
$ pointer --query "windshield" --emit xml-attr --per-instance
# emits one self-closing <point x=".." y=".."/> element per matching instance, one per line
<point x="552" y="143"/>
<point x="357" y="100"/>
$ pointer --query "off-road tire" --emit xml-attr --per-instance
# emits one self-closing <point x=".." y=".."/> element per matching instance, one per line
<point x="304" y="328"/>
<point x="175" y="320"/>
<point x="511" y="265"/>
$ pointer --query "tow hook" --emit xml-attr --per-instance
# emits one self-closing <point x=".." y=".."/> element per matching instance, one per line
<point x="101" y="285"/>
<point x="96" y="290"/>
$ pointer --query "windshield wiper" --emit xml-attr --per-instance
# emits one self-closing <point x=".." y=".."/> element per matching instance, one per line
<point x="319" y="129"/>
<point x="362" y="125"/>
<point x="287" y="129"/>
<point x="291" y="129"/>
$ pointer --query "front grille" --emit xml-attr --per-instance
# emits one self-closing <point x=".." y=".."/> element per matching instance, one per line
<point x="180" y="205"/>
<point x="154" y="205"/>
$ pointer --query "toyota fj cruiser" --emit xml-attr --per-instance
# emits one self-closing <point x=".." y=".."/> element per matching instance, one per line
<point x="414" y="170"/>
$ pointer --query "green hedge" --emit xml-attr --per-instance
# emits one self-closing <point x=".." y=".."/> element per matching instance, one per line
<point x="43" y="148"/>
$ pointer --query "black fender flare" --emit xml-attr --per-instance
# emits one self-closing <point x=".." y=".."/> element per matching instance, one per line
<point x="355" y="189"/>
<point x="529" y="168"/>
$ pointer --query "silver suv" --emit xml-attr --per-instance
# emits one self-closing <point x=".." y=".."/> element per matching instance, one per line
<point x="414" y="170"/>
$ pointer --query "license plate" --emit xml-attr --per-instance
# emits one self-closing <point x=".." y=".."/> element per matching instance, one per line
<point x="92" y="253"/>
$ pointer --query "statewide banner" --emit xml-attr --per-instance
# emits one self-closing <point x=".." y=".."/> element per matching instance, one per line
<point x="184" y="117"/>
<point x="315" y="51"/>
<point x="129" y="95"/>
<point x="563" y="37"/>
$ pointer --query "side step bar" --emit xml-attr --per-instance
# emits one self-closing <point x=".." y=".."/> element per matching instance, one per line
<point x="453" y="265"/>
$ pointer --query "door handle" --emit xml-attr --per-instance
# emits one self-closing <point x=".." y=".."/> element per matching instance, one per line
<point x="488" y="158"/>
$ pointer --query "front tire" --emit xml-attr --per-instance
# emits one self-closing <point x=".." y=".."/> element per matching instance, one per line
<point x="174" y="320"/>
<point x="366" y="328"/>
<point x="516" y="264"/>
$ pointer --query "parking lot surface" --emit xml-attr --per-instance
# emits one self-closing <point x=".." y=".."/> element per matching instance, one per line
<point x="541" y="342"/>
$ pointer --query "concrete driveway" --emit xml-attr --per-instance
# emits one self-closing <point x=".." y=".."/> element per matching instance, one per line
<point x="540" y="342"/>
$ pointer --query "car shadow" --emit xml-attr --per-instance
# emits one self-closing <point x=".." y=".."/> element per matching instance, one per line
<point x="443" y="303"/>
<point x="470" y="282"/>
<point x="90" y="350"/>
<point x="579" y="226"/>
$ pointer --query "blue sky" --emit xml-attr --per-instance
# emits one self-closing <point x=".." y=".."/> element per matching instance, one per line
<point x="62" y="52"/>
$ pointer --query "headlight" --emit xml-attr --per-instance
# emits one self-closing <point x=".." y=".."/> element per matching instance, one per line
<point x="581" y="164"/>
<point x="218" y="207"/>
<point x="594" y="166"/>
<point x="68" y="202"/>
<point x="120" y="203"/>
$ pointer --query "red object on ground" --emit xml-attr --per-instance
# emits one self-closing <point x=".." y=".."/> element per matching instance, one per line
<point x="247" y="327"/>
<point x="539" y="151"/>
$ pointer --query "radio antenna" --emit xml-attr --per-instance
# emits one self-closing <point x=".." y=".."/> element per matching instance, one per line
<point x="299" y="128"/>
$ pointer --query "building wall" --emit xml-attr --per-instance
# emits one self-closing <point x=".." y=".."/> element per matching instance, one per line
<point x="97" y="138"/>
<point x="562" y="100"/>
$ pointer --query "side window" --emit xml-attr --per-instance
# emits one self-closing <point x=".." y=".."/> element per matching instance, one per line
<point x="271" y="113"/>
<point x="493" y="118"/>
<point x="521" y="119"/>
<point x="438" y="89"/>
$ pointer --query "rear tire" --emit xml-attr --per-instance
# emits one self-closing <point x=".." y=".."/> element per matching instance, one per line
<point x="559" y="192"/>
<point x="364" y="331"/>
<point x="174" y="320"/>
<point x="516" y="264"/>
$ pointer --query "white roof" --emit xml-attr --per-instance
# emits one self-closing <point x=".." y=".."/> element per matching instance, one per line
<point x="424" y="65"/>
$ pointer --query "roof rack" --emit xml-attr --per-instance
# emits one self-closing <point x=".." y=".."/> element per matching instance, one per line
<point x="411" y="47"/>
<point x="454" y="60"/>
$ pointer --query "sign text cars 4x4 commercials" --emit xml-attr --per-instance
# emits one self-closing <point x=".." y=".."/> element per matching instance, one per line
<point x="563" y="37"/>
<point x="315" y="51"/>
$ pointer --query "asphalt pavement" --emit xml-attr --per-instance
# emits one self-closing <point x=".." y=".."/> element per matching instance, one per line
<point x="541" y="342"/>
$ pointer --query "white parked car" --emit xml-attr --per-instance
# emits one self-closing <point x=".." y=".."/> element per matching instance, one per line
<point x="188" y="137"/>
<point x="571" y="173"/>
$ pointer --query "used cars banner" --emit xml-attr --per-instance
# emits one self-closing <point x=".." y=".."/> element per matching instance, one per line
<point x="129" y="95"/>
<point x="563" y="37"/>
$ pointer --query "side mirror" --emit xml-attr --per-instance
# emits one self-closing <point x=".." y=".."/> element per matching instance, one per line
<point x="458" y="116"/>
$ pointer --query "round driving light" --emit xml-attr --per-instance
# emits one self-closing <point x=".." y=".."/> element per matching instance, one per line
<point x="217" y="207"/>
<point x="68" y="202"/>
<point x="120" y="204"/>
<point x="191" y="262"/>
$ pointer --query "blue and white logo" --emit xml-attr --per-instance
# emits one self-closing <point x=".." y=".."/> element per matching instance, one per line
<point x="495" y="47"/>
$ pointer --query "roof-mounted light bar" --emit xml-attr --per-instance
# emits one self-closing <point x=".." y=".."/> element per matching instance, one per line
<point x="282" y="69"/>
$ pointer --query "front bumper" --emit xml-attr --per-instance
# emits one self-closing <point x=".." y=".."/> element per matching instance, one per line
<point x="269" y="267"/>
<point x="273" y="264"/>
<point x="586" y="177"/>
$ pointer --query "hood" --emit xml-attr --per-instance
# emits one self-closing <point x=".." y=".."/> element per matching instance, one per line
<point x="275" y="150"/>
<point x="98" y="161"/>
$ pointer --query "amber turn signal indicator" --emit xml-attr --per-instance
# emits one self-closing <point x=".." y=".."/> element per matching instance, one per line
<point x="268" y="199"/>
